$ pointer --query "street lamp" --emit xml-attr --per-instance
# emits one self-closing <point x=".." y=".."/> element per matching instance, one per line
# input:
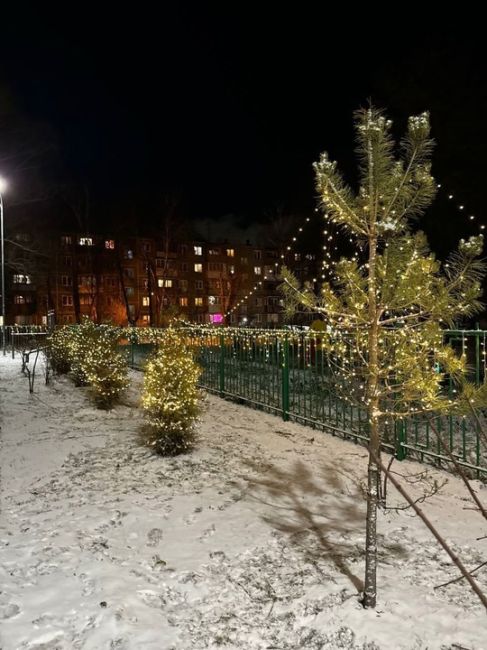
<point x="3" y="187"/>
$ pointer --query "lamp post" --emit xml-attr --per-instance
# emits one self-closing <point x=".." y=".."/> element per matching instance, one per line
<point x="3" y="187"/>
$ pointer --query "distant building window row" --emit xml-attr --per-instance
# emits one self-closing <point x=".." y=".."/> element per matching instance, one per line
<point x="19" y="278"/>
<point x="22" y="300"/>
<point x="85" y="241"/>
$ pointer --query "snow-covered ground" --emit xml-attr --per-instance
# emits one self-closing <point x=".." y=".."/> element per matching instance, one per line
<point x="253" y="541"/>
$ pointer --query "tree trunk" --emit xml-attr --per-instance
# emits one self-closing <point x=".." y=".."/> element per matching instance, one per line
<point x="373" y="473"/>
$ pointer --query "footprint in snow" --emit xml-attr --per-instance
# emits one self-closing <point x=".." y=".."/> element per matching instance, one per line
<point x="9" y="610"/>
<point x="154" y="536"/>
<point x="208" y="532"/>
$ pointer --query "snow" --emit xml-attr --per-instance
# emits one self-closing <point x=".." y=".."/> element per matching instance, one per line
<point x="253" y="541"/>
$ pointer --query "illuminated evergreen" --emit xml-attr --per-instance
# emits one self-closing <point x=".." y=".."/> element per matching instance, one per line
<point x="171" y="399"/>
<point x="105" y="366"/>
<point x="59" y="342"/>
<point x="386" y="306"/>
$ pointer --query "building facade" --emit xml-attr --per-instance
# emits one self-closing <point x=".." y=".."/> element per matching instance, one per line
<point x="144" y="281"/>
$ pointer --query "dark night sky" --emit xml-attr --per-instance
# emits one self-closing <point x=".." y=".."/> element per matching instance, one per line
<point x="228" y="105"/>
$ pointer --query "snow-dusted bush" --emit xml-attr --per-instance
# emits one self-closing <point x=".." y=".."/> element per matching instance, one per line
<point x="81" y="340"/>
<point x="171" y="399"/>
<point x="104" y="366"/>
<point x="60" y="349"/>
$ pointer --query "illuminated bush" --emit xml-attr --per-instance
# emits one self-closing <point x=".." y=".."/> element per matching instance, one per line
<point x="103" y="366"/>
<point x="82" y="337"/>
<point x="171" y="399"/>
<point x="60" y="353"/>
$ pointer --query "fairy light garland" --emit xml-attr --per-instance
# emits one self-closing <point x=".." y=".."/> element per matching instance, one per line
<point x="326" y="264"/>
<point x="274" y="272"/>
<point x="461" y="207"/>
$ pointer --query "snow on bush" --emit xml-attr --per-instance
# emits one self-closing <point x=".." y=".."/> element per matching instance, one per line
<point x="171" y="399"/>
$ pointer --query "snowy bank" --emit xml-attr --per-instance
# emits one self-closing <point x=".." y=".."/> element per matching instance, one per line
<point x="253" y="541"/>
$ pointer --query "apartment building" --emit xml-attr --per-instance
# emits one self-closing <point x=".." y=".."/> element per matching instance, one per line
<point x="144" y="281"/>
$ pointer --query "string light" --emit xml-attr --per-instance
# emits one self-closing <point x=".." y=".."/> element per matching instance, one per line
<point x="461" y="207"/>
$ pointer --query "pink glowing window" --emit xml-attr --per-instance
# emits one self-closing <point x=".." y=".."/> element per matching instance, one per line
<point x="216" y="318"/>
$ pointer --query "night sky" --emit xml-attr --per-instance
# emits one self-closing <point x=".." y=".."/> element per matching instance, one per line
<point x="226" y="106"/>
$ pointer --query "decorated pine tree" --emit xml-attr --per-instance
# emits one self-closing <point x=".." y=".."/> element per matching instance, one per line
<point x="80" y="337"/>
<point x="104" y="366"/>
<point x="385" y="307"/>
<point x="171" y="399"/>
<point x="59" y="352"/>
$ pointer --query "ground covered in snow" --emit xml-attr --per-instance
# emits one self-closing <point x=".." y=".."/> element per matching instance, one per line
<point x="253" y="541"/>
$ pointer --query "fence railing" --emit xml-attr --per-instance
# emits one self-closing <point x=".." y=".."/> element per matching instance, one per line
<point x="18" y="337"/>
<point x="288" y="374"/>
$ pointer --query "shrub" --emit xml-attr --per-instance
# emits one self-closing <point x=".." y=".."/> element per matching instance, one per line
<point x="104" y="366"/>
<point x="60" y="349"/>
<point x="171" y="399"/>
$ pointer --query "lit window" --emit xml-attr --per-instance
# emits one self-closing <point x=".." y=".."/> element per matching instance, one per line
<point x="214" y="251"/>
<point x="129" y="254"/>
<point x="129" y="291"/>
<point x="168" y="284"/>
<point x="67" y="301"/>
<point x="183" y="301"/>
<point x="198" y="250"/>
<point x="86" y="241"/>
<point x="198" y="268"/>
<point x="257" y="270"/>
<point x="21" y="279"/>
<point x="230" y="252"/>
<point x="145" y="301"/>
<point x="19" y="300"/>
<point x="66" y="280"/>
<point x="198" y="302"/>
<point x="66" y="240"/>
<point x="231" y="269"/>
<point x="297" y="257"/>
<point x="110" y="244"/>
<point x="145" y="319"/>
<point x="211" y="300"/>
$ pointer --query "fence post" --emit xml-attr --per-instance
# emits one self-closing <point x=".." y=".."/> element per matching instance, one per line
<point x="222" y="364"/>
<point x="285" y="379"/>
<point x="477" y="355"/>
<point x="400" y="439"/>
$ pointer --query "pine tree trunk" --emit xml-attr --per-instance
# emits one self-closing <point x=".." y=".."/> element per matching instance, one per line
<point x="373" y="473"/>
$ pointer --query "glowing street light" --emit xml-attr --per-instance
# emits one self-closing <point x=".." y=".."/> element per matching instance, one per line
<point x="3" y="187"/>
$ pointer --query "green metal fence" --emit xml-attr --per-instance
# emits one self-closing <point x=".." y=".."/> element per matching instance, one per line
<point x="287" y="374"/>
